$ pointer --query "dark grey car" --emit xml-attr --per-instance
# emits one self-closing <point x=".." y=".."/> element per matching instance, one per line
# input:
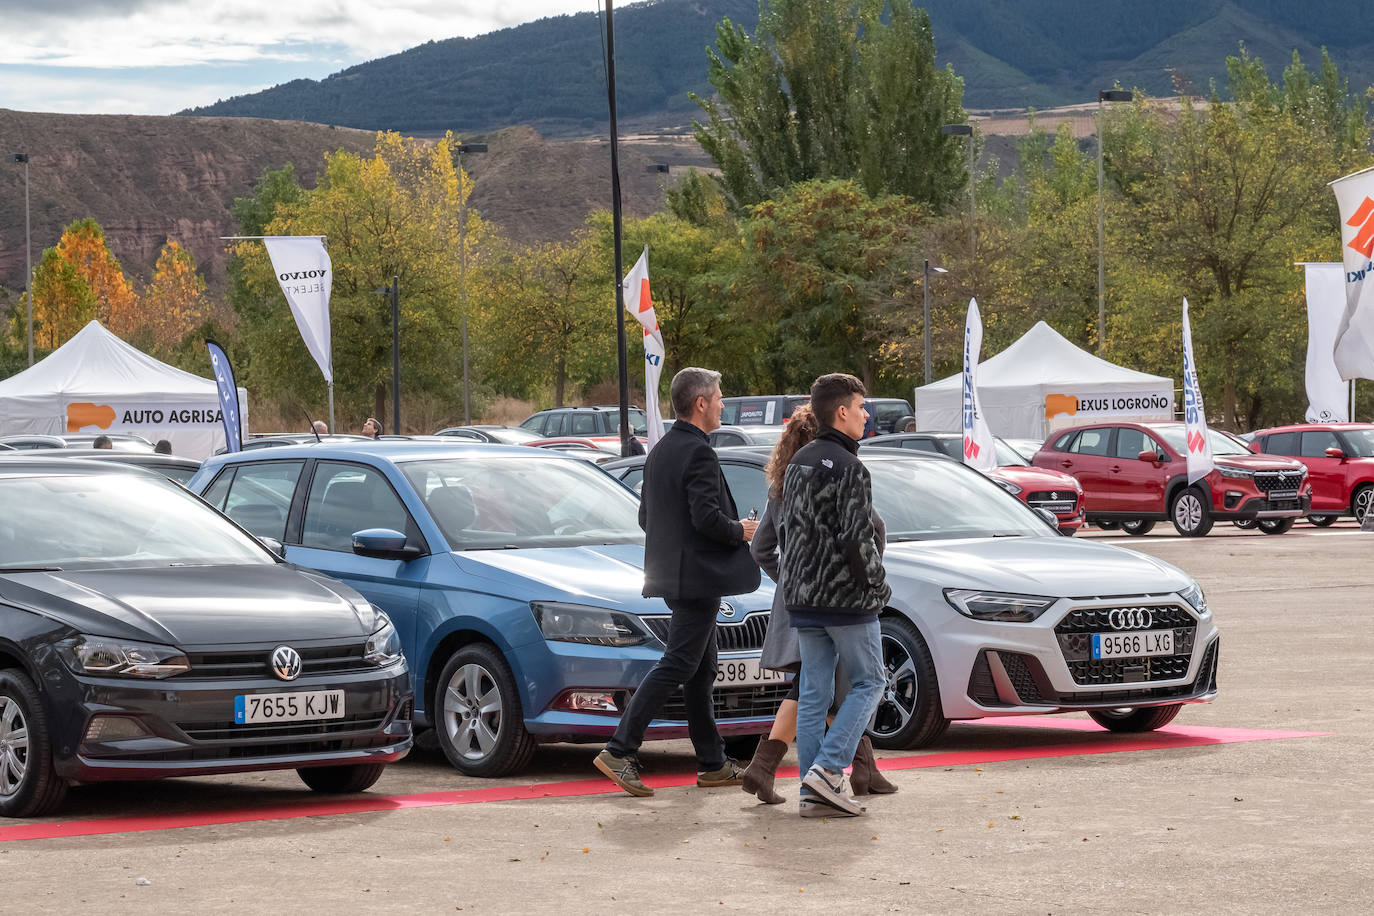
<point x="144" y="635"/>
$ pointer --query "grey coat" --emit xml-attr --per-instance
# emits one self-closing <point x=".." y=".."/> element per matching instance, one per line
<point x="781" y="651"/>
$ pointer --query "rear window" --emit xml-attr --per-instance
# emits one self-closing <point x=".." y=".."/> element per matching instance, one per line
<point x="1091" y="442"/>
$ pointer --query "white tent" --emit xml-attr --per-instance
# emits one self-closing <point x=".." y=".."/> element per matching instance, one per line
<point x="97" y="383"/>
<point x="1043" y="383"/>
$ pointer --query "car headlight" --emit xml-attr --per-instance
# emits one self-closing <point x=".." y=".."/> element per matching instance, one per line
<point x="591" y="626"/>
<point x="1193" y="595"/>
<point x="998" y="606"/>
<point x="1241" y="473"/>
<point x="1007" y="485"/>
<point x="109" y="657"/>
<point x="384" y="646"/>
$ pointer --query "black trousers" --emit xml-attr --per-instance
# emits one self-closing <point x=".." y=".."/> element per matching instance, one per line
<point x="688" y="660"/>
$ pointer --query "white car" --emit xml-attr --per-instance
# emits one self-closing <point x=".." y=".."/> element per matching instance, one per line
<point x="994" y="614"/>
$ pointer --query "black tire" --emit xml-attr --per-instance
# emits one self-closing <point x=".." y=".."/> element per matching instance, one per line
<point x="1276" y="525"/>
<point x="1245" y="523"/>
<point x="1322" y="521"/>
<point x="342" y="780"/>
<point x="1361" y="500"/>
<point x="1136" y="720"/>
<point x="1191" y="513"/>
<point x="1138" y="526"/>
<point x="29" y="787"/>
<point x="479" y="669"/>
<point x="742" y="747"/>
<point x="1108" y="526"/>
<point x="901" y="426"/>
<point x="909" y="714"/>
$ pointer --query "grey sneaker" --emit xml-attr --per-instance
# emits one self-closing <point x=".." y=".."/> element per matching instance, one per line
<point x="829" y="788"/>
<point x="624" y="772"/>
<point x="731" y="774"/>
<point x="811" y="806"/>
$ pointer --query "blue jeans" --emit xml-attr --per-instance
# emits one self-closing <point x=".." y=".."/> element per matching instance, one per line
<point x="858" y="647"/>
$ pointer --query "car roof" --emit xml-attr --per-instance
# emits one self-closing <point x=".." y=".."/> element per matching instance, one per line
<point x="1299" y="427"/>
<point x="68" y="455"/>
<point x="27" y="464"/>
<point x="391" y="450"/>
<point x="759" y="455"/>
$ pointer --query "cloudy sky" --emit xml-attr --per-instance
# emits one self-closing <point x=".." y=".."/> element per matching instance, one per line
<point x="159" y="56"/>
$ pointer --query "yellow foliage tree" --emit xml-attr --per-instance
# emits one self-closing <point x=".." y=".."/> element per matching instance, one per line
<point x="83" y="246"/>
<point x="174" y="301"/>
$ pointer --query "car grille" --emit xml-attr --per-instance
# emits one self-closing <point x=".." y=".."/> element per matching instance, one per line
<point x="1027" y="677"/>
<point x="1057" y="501"/>
<point x="1075" y="643"/>
<point x="280" y="731"/>
<point x="251" y="664"/>
<point x="733" y="703"/>
<point x="743" y="636"/>
<point x="1278" y="481"/>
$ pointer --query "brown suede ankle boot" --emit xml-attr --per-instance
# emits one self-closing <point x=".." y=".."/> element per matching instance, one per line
<point x="865" y="776"/>
<point x="758" y="778"/>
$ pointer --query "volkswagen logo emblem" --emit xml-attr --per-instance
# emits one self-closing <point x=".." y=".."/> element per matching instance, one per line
<point x="286" y="663"/>
<point x="1130" y="618"/>
<point x="727" y="610"/>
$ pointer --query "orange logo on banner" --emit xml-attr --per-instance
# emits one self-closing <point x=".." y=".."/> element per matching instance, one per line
<point x="1363" y="219"/>
<point x="1060" y="403"/>
<point x="84" y="414"/>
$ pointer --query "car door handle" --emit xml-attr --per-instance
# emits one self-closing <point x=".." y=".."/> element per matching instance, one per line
<point x="1116" y="469"/>
<point x="1066" y="464"/>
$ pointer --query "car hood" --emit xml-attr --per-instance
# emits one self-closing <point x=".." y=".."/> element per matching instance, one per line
<point x="1037" y="478"/>
<point x="1052" y="566"/>
<point x="196" y="605"/>
<point x="608" y="575"/>
<point x="1259" y="462"/>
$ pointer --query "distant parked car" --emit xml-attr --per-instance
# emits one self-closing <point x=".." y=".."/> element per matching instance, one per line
<point x="503" y="435"/>
<point x="745" y="435"/>
<point x="143" y="635"/>
<point x="602" y="420"/>
<point x="761" y="409"/>
<point x="1038" y="488"/>
<point x="121" y="442"/>
<point x="1026" y="448"/>
<point x="272" y="440"/>
<point x="172" y="467"/>
<point x="31" y="442"/>
<point x="596" y="448"/>
<point x="886" y="415"/>
<point x="1340" y="464"/>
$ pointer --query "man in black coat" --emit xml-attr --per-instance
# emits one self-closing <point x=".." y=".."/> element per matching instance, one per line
<point x="695" y="552"/>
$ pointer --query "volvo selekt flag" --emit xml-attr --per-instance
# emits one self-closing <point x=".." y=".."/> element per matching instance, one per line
<point x="306" y="276"/>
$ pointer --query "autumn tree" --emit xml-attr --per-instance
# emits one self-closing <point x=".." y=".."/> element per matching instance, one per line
<point x="174" y="301"/>
<point x="79" y="280"/>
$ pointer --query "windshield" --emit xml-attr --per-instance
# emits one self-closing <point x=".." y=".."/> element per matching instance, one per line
<point x="1222" y="444"/>
<point x="937" y="500"/>
<point x="115" y="520"/>
<point x="506" y="502"/>
<point x="1361" y="442"/>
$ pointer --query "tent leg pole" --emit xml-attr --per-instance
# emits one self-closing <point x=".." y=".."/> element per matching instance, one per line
<point x="331" y="406"/>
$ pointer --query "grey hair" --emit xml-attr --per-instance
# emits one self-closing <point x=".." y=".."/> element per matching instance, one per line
<point x="688" y="385"/>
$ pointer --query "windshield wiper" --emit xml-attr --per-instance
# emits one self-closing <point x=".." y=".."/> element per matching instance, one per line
<point x="24" y="569"/>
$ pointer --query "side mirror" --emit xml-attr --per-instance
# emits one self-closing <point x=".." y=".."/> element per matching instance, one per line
<point x="1334" y="453"/>
<point x="274" y="545"/>
<point x="383" y="544"/>
<point x="1148" y="455"/>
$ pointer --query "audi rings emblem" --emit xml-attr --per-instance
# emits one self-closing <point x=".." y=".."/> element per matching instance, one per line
<point x="1130" y="618"/>
<point x="727" y="610"/>
<point x="286" y="663"/>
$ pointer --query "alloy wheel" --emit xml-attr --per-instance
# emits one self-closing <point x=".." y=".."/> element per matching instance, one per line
<point x="14" y="746"/>
<point x="1188" y="512"/>
<point x="900" y="692"/>
<point x="1363" y="500"/>
<point x="473" y="711"/>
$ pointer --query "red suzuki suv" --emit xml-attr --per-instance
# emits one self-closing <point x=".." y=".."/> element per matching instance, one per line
<point x="1340" y="464"/>
<point x="1135" y="474"/>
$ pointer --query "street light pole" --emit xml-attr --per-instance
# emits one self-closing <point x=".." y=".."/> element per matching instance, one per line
<point x="1104" y="95"/>
<point x="396" y="355"/>
<point x="966" y="130"/>
<point x="925" y="324"/>
<point x="463" y="266"/>
<point x="28" y="251"/>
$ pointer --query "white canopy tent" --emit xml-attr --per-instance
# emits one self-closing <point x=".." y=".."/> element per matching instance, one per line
<point x="97" y="383"/>
<point x="1043" y="383"/>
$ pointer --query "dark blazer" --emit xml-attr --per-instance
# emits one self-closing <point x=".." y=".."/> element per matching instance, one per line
<point x="693" y="544"/>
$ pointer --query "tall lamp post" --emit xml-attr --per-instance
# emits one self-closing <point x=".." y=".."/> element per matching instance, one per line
<point x="1103" y="95"/>
<point x="460" y="149"/>
<point x="28" y="250"/>
<point x="966" y="130"/>
<point x="925" y="325"/>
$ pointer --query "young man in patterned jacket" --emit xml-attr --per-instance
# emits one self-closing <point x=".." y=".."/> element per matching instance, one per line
<point x="834" y="587"/>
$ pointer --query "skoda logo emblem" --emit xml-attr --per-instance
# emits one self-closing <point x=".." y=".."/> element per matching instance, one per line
<point x="1130" y="618"/>
<point x="286" y="663"/>
<point x="727" y="610"/>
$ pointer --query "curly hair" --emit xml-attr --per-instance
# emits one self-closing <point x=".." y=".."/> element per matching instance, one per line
<point x="802" y="427"/>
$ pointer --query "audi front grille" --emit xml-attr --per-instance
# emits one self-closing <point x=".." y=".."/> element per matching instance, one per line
<point x="1075" y="631"/>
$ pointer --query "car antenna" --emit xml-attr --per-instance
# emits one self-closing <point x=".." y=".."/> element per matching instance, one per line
<point x="311" y="424"/>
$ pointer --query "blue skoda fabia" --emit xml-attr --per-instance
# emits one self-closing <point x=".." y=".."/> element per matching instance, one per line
<point x="513" y="576"/>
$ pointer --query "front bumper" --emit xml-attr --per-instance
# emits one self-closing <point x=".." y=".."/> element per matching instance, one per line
<point x="189" y="725"/>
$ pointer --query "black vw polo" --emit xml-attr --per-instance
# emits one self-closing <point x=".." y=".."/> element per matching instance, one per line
<point x="144" y="635"/>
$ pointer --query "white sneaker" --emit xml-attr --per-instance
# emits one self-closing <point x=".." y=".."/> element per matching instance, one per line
<point x="830" y="789"/>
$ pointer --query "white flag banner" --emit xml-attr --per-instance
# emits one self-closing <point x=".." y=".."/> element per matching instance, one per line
<point x="640" y="304"/>
<point x="1354" y="352"/>
<point x="979" y="450"/>
<point x="1200" y="462"/>
<point x="1327" y="400"/>
<point x="306" y="276"/>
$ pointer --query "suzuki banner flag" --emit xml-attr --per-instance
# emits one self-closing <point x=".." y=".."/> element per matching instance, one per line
<point x="1354" y="352"/>
<point x="305" y="273"/>
<point x="1327" y="394"/>
<point x="1200" y="462"/>
<point x="228" y="396"/>
<point x="640" y="304"/>
<point x="979" y="450"/>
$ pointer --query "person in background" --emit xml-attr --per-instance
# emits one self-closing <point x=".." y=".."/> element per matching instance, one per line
<point x="371" y="428"/>
<point x="102" y="442"/>
<point x="320" y="427"/>
<point x="163" y="447"/>
<point x="780" y="647"/>
<point x="695" y="552"/>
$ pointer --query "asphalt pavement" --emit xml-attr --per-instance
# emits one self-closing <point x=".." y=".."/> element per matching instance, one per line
<point x="1216" y="813"/>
